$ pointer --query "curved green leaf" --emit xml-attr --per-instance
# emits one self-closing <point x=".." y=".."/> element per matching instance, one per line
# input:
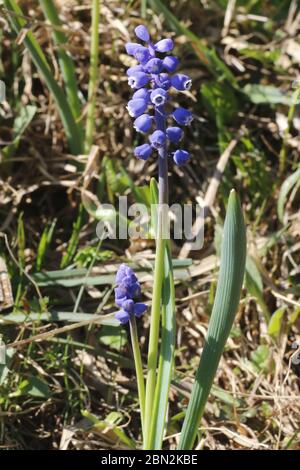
<point x="284" y="191"/>
<point x="232" y="268"/>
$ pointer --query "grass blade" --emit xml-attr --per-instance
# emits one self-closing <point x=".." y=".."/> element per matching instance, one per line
<point x="287" y="186"/>
<point x="56" y="316"/>
<point x="74" y="239"/>
<point x="21" y="123"/>
<point x="18" y="23"/>
<point x="90" y="123"/>
<point x="233" y="256"/>
<point x="65" y="60"/>
<point x="44" y="243"/>
<point x="143" y="8"/>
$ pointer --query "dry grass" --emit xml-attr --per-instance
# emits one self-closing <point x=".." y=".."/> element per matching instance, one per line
<point x="255" y="401"/>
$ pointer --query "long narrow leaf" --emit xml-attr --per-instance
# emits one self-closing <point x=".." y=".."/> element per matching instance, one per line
<point x="286" y="187"/>
<point x="56" y="316"/>
<point x="93" y="71"/>
<point x="65" y="60"/>
<point x="233" y="256"/>
<point x="18" y="23"/>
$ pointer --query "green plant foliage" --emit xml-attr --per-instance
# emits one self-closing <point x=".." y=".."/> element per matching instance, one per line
<point x="232" y="267"/>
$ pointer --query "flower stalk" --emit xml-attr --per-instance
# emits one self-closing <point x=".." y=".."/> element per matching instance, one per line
<point x="154" y="328"/>
<point x="138" y="368"/>
<point x="160" y="121"/>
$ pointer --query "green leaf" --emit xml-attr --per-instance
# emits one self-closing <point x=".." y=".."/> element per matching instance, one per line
<point x="6" y="358"/>
<point x="275" y="322"/>
<point x="266" y="94"/>
<point x="219" y="98"/>
<point x="254" y="285"/>
<point x="21" y="240"/>
<point x="55" y="316"/>
<point x="286" y="187"/>
<point x="76" y="277"/>
<point x="44" y="243"/>
<point x="232" y="268"/>
<point x="224" y="396"/>
<point x="114" y="337"/>
<point x="260" y="357"/>
<point x="109" y="425"/>
<point x="74" y="239"/>
<point x="20" y="124"/>
<point x="36" y="387"/>
<point x="294" y="316"/>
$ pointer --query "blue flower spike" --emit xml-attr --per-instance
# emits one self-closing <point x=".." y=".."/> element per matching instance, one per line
<point x="151" y="79"/>
<point x="127" y="290"/>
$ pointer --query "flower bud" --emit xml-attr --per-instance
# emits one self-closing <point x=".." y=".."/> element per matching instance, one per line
<point x="136" y="107"/>
<point x="132" y="47"/>
<point x="174" y="134"/>
<point x="182" y="116"/>
<point x="158" y="97"/>
<point x="180" y="157"/>
<point x="170" y="63"/>
<point x="163" y="81"/>
<point x="138" y="80"/>
<point x="142" y="93"/>
<point x="143" y="123"/>
<point x="143" y="151"/>
<point x="142" y="54"/>
<point x="165" y="45"/>
<point x="122" y="316"/>
<point x="134" y="69"/>
<point x="181" y="82"/>
<point x="153" y="66"/>
<point x="142" y="33"/>
<point x="157" y="139"/>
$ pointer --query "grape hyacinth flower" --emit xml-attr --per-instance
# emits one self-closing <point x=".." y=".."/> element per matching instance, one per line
<point x="127" y="290"/>
<point x="153" y="79"/>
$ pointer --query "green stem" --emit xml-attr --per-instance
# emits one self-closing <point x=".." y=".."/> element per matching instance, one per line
<point x="94" y="54"/>
<point x="143" y="8"/>
<point x="154" y="330"/>
<point x="65" y="60"/>
<point x="166" y="355"/>
<point x="18" y="22"/>
<point x="162" y="226"/>
<point x="138" y="367"/>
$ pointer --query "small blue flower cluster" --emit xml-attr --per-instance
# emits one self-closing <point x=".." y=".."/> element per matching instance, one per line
<point x="152" y="79"/>
<point x="128" y="289"/>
